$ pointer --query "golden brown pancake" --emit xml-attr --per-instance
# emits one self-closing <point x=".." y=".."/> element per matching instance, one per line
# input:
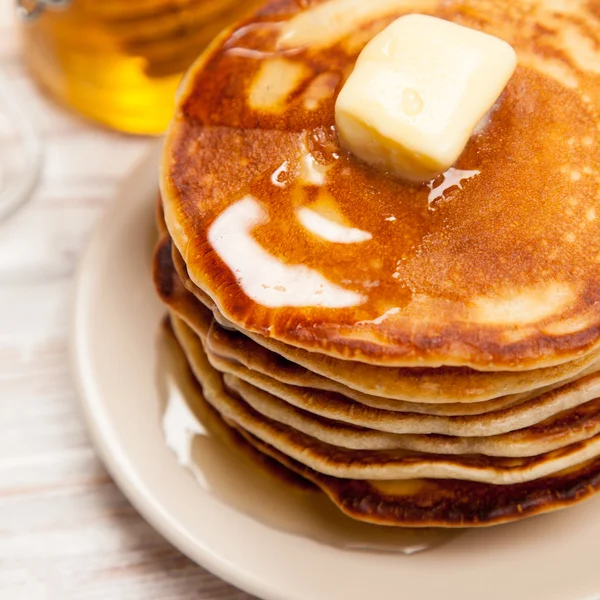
<point x="446" y="502"/>
<point x="372" y="464"/>
<point x="232" y="347"/>
<point x="495" y="418"/>
<point x="502" y="274"/>
<point x="417" y="503"/>
<point x="362" y="381"/>
<point x="563" y="429"/>
<point x="425" y="502"/>
<point x="425" y="354"/>
<point x="550" y="405"/>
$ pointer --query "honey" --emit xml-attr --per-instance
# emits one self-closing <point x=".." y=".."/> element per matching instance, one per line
<point x="120" y="63"/>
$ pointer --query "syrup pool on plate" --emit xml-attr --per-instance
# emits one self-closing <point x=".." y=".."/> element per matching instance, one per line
<point x="223" y="471"/>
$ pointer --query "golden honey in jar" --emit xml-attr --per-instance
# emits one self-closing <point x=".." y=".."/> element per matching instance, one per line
<point x="120" y="61"/>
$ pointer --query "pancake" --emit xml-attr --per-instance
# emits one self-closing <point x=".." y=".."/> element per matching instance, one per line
<point x="524" y="436"/>
<point x="557" y="432"/>
<point x="500" y="273"/>
<point x="448" y="385"/>
<point x="373" y="465"/>
<point x="424" y="354"/>
<point x="232" y="347"/>
<point x="414" y="503"/>
<point x="412" y="418"/>
<point x="446" y="502"/>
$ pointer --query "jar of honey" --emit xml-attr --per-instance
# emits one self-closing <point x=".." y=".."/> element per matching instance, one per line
<point x="119" y="62"/>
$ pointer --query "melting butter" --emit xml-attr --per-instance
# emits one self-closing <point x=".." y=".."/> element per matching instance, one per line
<point x="418" y="92"/>
<point x="311" y="172"/>
<point x="329" y="230"/>
<point x="275" y="82"/>
<point x="451" y="178"/>
<point x="263" y="277"/>
<point x="384" y="317"/>
<point x="180" y="427"/>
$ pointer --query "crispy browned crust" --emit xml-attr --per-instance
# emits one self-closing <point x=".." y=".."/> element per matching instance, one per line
<point x="448" y="502"/>
<point x="171" y="291"/>
<point x="524" y="224"/>
<point x="160" y="217"/>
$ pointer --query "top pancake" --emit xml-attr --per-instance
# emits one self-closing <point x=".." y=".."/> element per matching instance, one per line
<point x="295" y="239"/>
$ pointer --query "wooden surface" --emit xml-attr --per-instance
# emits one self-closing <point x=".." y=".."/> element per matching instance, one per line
<point x="66" y="531"/>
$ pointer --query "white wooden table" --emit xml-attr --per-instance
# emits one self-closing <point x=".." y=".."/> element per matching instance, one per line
<point x="66" y="531"/>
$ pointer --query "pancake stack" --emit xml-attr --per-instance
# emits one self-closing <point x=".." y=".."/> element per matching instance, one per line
<point x="426" y="355"/>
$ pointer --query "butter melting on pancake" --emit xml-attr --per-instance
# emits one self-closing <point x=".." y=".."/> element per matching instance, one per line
<point x="502" y="275"/>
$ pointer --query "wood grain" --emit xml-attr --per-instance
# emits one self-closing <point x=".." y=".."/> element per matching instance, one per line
<point x="66" y="531"/>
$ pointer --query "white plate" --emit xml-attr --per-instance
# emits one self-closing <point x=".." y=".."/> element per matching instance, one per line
<point x="554" y="557"/>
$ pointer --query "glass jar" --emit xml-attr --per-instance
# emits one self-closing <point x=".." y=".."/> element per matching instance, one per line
<point x="120" y="61"/>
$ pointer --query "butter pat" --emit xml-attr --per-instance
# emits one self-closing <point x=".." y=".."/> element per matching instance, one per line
<point x="417" y="93"/>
